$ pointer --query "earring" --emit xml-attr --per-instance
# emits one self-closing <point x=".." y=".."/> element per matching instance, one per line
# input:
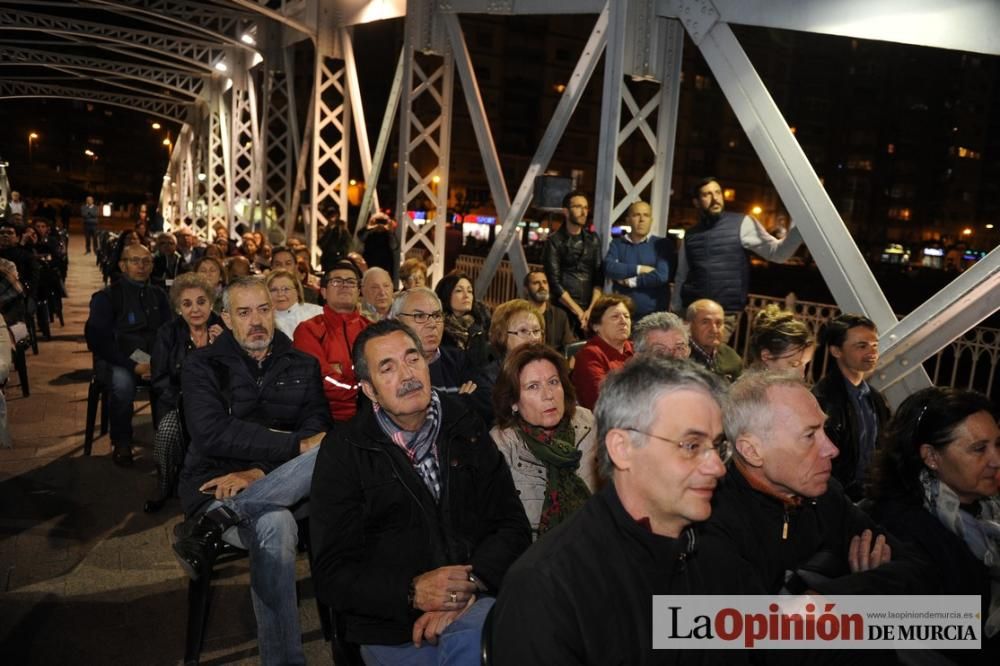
<point x="514" y="409"/>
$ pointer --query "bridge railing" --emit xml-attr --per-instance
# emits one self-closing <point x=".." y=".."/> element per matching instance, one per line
<point x="969" y="362"/>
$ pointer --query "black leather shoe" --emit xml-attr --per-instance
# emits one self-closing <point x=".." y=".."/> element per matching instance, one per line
<point x="197" y="549"/>
<point x="121" y="454"/>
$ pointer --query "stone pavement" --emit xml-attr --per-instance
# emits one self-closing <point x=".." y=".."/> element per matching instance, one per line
<point x="85" y="576"/>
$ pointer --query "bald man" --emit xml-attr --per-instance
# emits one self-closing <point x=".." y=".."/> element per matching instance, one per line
<point x="638" y="263"/>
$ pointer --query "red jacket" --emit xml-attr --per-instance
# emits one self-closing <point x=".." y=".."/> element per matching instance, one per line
<point x="592" y="365"/>
<point x="329" y="337"/>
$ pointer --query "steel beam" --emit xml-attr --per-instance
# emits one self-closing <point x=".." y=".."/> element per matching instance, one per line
<point x="358" y="109"/>
<point x="175" y="111"/>
<point x="219" y="173"/>
<point x="381" y="146"/>
<point x="671" y="50"/>
<point x="245" y="147"/>
<point x="608" y="169"/>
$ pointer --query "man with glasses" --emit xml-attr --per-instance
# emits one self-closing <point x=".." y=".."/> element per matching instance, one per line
<point x="583" y="594"/>
<point x="120" y="331"/>
<point x="330" y="336"/>
<point x="663" y="334"/>
<point x="572" y="259"/>
<point x="419" y="309"/>
<point x="780" y="512"/>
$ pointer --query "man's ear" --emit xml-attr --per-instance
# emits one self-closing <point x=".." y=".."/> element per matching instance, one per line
<point x="227" y="319"/>
<point x="369" y="390"/>
<point x="749" y="447"/>
<point x="835" y="352"/>
<point x="620" y="448"/>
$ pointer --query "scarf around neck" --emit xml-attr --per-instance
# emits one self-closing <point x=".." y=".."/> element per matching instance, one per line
<point x="420" y="447"/>
<point x="981" y="535"/>
<point x="458" y="327"/>
<point x="556" y="448"/>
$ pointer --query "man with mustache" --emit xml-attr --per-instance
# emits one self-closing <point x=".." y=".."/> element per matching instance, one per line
<point x="780" y="511"/>
<point x="583" y="593"/>
<point x="414" y="516"/>
<point x="558" y="332"/>
<point x="713" y="261"/>
<point x="256" y="414"/>
<point x="856" y="411"/>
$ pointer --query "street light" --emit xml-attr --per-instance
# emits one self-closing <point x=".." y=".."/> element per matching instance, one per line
<point x="31" y="140"/>
<point x="756" y="210"/>
<point x="156" y="126"/>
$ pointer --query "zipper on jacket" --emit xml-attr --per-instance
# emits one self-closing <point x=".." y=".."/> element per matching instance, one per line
<point x="784" y="526"/>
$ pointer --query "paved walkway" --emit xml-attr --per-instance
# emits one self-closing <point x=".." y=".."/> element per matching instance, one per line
<point x="85" y="576"/>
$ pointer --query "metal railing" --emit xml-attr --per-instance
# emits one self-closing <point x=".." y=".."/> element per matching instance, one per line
<point x="969" y="362"/>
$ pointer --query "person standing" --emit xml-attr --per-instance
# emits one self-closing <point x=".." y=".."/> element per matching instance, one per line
<point x="572" y="260"/>
<point x="638" y="263"/>
<point x="89" y="212"/>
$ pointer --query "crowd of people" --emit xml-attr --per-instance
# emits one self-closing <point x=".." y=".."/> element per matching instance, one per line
<point x="546" y="464"/>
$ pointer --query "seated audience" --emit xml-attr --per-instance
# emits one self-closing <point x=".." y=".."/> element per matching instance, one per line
<point x="255" y="412"/>
<point x="188" y="245"/>
<point x="310" y="283"/>
<point x="120" y="331"/>
<point x="283" y="259"/>
<point x="252" y="250"/>
<point x="706" y="321"/>
<point x="936" y="487"/>
<point x="856" y="411"/>
<point x="780" y="512"/>
<point x="663" y="334"/>
<point x="376" y="294"/>
<point x="330" y="335"/>
<point x="582" y="594"/>
<point x="112" y="269"/>
<point x="213" y="270"/>
<point x="607" y="349"/>
<point x="547" y="440"/>
<point x="167" y="262"/>
<point x="336" y="240"/>
<point x="287" y="298"/>
<point x="780" y="342"/>
<point x="515" y="323"/>
<point x="238" y="266"/>
<point x="558" y="330"/>
<point x="466" y="320"/>
<point x="414" y="518"/>
<point x="413" y="273"/>
<point x="5" y="364"/>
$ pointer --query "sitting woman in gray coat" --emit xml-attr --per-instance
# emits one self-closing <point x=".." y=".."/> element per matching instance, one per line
<point x="547" y="439"/>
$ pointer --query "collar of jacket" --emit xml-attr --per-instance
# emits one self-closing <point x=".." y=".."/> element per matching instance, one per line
<point x="740" y="483"/>
<point x="661" y="547"/>
<point x="337" y="319"/>
<point x="226" y="344"/>
<point x="456" y="419"/>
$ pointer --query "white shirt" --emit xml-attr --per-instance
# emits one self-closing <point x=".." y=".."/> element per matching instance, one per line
<point x="288" y="320"/>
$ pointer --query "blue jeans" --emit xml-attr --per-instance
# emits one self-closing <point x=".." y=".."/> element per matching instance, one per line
<point x="121" y="383"/>
<point x="458" y="644"/>
<point x="268" y="530"/>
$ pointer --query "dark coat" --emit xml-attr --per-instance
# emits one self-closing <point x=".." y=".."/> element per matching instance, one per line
<point x="237" y="424"/>
<point x="375" y="526"/>
<point x="842" y="426"/>
<point x="172" y="346"/>
<point x="573" y="264"/>
<point x="125" y="317"/>
<point x="752" y="525"/>
<point x="582" y="593"/>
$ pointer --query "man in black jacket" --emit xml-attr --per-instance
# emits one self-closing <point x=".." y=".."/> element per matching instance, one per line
<point x="256" y="413"/>
<point x="414" y="516"/>
<point x="120" y="331"/>
<point x="573" y="263"/>
<point x="583" y="594"/>
<point x="780" y="511"/>
<point x="856" y="412"/>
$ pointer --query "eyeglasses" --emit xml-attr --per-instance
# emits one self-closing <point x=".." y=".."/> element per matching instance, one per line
<point x="526" y="333"/>
<point x="695" y="448"/>
<point x="672" y="350"/>
<point x="422" y="317"/>
<point x="340" y="282"/>
<point x="139" y="261"/>
<point x="281" y="290"/>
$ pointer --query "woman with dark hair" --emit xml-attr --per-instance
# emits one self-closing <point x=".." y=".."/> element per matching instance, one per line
<point x="214" y="271"/>
<point x="780" y="342"/>
<point x="608" y="348"/>
<point x="466" y="320"/>
<point x="548" y="440"/>
<point x="936" y="485"/>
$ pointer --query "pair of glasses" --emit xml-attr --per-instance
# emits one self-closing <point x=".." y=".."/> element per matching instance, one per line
<point x="693" y="449"/>
<point x="281" y="290"/>
<point x="422" y="317"/>
<point x="526" y="333"/>
<point x="339" y="282"/>
<point x="140" y="261"/>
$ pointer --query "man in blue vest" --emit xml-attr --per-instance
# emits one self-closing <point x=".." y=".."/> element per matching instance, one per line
<point x="713" y="261"/>
<point x="638" y="263"/>
<point x="120" y="331"/>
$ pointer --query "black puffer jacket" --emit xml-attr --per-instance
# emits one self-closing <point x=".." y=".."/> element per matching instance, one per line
<point x="237" y="423"/>
<point x="172" y="346"/>
<point x="375" y="526"/>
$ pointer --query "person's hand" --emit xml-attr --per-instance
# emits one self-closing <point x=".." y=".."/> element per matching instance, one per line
<point x="432" y="624"/>
<point x="584" y="317"/>
<point x="644" y="269"/>
<point x="443" y="589"/>
<point x="311" y="442"/>
<point x="467" y="387"/>
<point x="214" y="331"/>
<point x="144" y="370"/>
<point x="863" y="556"/>
<point x="232" y="483"/>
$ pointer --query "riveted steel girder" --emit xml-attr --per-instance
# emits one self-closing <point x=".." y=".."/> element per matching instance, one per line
<point x="157" y="107"/>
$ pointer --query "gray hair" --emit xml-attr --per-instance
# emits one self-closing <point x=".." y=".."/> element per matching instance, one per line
<point x="749" y="409"/>
<point x="399" y="300"/>
<point x="377" y="330"/>
<point x="248" y="282"/>
<point x="657" y="321"/>
<point x="628" y="394"/>
<point x="373" y="271"/>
